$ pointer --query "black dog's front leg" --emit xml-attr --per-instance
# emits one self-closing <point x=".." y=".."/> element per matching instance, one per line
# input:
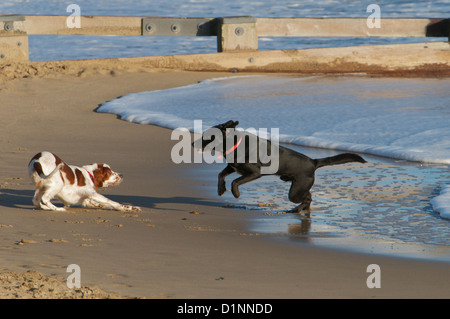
<point x="242" y="180"/>
<point x="227" y="171"/>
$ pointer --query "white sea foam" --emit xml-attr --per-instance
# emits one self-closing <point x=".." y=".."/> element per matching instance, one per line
<point x="441" y="203"/>
<point x="405" y="119"/>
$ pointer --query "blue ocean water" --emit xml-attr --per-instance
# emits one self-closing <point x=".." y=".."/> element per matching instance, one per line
<point x="52" y="47"/>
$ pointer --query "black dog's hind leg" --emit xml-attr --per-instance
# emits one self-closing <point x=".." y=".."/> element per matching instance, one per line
<point x="304" y="206"/>
<point x="242" y="180"/>
<point x="227" y="171"/>
<point x="299" y="193"/>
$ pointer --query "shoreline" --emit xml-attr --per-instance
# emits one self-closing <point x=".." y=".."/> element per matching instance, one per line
<point x="167" y="250"/>
<point x="264" y="203"/>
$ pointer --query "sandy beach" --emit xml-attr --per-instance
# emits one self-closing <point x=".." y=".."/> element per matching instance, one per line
<point x="183" y="244"/>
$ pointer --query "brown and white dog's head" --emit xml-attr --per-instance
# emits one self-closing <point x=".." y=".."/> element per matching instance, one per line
<point x="103" y="176"/>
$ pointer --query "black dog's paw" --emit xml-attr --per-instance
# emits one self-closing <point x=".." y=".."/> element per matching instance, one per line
<point x="235" y="191"/>
<point x="221" y="189"/>
<point x="303" y="208"/>
<point x="307" y="213"/>
<point x="293" y="211"/>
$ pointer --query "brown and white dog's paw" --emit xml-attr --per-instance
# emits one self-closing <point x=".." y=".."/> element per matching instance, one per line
<point x="129" y="208"/>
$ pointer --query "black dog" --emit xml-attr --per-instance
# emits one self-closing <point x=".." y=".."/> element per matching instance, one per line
<point x="292" y="166"/>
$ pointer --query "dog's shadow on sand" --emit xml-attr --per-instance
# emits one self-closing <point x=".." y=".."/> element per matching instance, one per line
<point x="15" y="198"/>
<point x="154" y="202"/>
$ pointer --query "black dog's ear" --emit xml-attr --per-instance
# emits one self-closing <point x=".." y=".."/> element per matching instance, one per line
<point x="230" y="124"/>
<point x="226" y="124"/>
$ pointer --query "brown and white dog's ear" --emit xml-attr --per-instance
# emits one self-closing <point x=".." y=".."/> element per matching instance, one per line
<point x="104" y="176"/>
<point x="100" y="175"/>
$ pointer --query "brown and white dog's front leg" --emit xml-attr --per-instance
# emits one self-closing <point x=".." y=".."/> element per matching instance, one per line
<point x="99" y="201"/>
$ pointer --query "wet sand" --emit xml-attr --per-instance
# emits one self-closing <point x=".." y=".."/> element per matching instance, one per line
<point x="183" y="244"/>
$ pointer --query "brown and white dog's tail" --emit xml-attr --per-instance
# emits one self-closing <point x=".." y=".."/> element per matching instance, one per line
<point x="36" y="167"/>
<point x="56" y="170"/>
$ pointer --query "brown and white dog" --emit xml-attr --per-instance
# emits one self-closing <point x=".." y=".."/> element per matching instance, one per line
<point x="71" y="184"/>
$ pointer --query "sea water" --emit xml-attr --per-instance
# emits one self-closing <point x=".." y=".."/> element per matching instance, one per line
<point x="400" y="126"/>
<point x="63" y="47"/>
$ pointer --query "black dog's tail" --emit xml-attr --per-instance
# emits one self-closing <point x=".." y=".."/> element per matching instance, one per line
<point x="338" y="159"/>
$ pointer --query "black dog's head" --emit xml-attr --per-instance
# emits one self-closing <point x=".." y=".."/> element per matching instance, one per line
<point x="211" y="134"/>
<point x="229" y="124"/>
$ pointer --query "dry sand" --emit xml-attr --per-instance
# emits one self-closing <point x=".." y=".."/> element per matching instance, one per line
<point x="165" y="251"/>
